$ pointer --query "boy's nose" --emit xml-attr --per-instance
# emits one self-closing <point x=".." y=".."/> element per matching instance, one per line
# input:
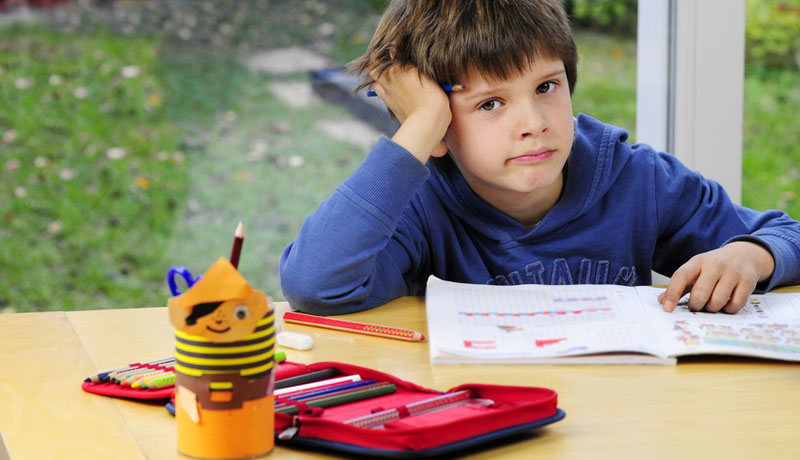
<point x="530" y="121"/>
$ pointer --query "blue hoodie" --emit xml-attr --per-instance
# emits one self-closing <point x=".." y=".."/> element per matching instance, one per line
<point x="625" y="210"/>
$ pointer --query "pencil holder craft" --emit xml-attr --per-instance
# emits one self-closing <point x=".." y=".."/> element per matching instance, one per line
<point x="224" y="344"/>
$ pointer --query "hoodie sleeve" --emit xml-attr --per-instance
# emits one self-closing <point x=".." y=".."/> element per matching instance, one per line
<point x="353" y="252"/>
<point x="696" y="215"/>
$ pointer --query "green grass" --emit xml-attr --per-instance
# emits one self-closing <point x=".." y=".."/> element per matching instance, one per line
<point x="606" y="87"/>
<point x="80" y="225"/>
<point x="217" y="147"/>
<point x="207" y="144"/>
<point x="771" y="157"/>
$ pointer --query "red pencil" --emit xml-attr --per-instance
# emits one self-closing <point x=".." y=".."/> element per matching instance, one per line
<point x="353" y="326"/>
<point x="237" y="245"/>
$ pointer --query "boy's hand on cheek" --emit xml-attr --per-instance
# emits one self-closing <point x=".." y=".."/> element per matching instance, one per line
<point x="421" y="106"/>
<point x="719" y="280"/>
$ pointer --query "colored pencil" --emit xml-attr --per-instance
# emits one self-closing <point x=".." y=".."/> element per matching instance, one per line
<point x="115" y="373"/>
<point x="306" y="378"/>
<point x="159" y="382"/>
<point x="339" y="391"/>
<point x="128" y="382"/>
<point x="380" y="418"/>
<point x="238" y="240"/>
<point x="142" y="382"/>
<point x="121" y="377"/>
<point x="105" y="376"/>
<point x="453" y="88"/>
<point x="447" y="88"/>
<point x="346" y="398"/>
<point x="316" y="393"/>
<point x="318" y="384"/>
<point x="138" y="373"/>
<point x="314" y="390"/>
<point x="353" y="326"/>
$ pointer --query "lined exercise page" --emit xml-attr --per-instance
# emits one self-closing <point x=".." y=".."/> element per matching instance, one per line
<point x="534" y="321"/>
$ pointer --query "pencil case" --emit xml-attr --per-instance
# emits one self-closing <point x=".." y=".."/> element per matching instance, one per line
<point x="416" y="422"/>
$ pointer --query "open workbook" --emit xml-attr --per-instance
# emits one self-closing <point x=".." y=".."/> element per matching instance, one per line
<point x="598" y="324"/>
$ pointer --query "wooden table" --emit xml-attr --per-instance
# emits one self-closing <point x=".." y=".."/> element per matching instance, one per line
<point x="701" y="408"/>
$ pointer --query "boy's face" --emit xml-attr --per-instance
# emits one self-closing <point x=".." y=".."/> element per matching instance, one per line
<point x="511" y="138"/>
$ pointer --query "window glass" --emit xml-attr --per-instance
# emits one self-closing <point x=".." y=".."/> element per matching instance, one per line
<point x="136" y="135"/>
<point x="771" y="157"/>
<point x="605" y="32"/>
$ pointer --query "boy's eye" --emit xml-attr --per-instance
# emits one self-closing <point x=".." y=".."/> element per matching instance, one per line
<point x="241" y="312"/>
<point x="488" y="106"/>
<point x="546" y="87"/>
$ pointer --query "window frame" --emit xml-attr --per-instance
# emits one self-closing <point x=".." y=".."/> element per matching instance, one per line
<point x="690" y="84"/>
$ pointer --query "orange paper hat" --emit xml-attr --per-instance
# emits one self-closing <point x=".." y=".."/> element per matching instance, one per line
<point x="222" y="282"/>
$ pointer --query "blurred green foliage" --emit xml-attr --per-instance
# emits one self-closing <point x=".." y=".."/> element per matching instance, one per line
<point x="773" y="33"/>
<point x="91" y="174"/>
<point x="772" y="28"/>
<point x="606" y="87"/>
<point x="771" y="157"/>
<point x="615" y="16"/>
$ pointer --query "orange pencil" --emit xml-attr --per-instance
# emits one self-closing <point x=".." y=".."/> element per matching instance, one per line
<point x="353" y="326"/>
<point x="237" y="245"/>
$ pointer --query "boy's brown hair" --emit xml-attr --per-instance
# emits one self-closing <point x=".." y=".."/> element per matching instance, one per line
<point x="447" y="39"/>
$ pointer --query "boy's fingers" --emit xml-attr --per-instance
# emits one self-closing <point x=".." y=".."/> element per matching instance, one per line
<point x="722" y="295"/>
<point x="669" y="299"/>
<point x="679" y="284"/>
<point x="701" y="291"/>
<point x="739" y="298"/>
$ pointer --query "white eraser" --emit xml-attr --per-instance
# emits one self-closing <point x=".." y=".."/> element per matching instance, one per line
<point x="295" y="340"/>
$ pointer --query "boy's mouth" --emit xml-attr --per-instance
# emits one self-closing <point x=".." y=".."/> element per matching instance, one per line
<point x="533" y="156"/>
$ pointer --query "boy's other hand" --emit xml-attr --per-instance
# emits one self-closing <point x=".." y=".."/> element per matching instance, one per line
<point x="721" y="279"/>
<point x="421" y="106"/>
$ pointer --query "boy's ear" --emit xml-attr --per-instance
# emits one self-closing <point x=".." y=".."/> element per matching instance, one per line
<point x="440" y="150"/>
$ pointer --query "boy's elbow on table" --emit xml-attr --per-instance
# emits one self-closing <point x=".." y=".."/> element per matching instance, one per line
<point x="302" y="291"/>
<point x="311" y="295"/>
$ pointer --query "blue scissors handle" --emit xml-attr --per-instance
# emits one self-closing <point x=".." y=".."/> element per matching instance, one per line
<point x="185" y="273"/>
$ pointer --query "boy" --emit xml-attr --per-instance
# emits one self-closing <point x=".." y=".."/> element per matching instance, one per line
<point x="499" y="184"/>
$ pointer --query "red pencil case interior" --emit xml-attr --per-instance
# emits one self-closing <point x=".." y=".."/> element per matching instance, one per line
<point x="502" y="411"/>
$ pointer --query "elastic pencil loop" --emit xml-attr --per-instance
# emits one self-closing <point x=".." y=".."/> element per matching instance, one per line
<point x="302" y="408"/>
<point x="402" y="411"/>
